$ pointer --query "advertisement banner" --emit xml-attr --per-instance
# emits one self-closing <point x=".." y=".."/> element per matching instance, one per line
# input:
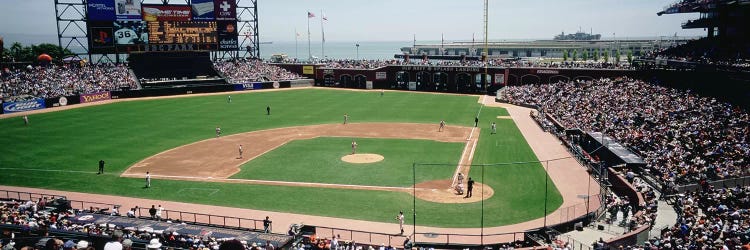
<point x="128" y="10"/>
<point x="499" y="78"/>
<point x="246" y="86"/>
<point x="227" y="33"/>
<point x="226" y="10"/>
<point x="154" y="13"/>
<point x="307" y="70"/>
<point x="20" y="106"/>
<point x="101" y="37"/>
<point x="381" y="76"/>
<point x="203" y="10"/>
<point x="95" y="97"/>
<point x="101" y="10"/>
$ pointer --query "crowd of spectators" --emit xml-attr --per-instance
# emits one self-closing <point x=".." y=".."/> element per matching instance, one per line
<point x="712" y="218"/>
<point x="62" y="80"/>
<point x="706" y="52"/>
<point x="38" y="216"/>
<point x="418" y="61"/>
<point x="373" y="64"/>
<point x="245" y="71"/>
<point x="683" y="138"/>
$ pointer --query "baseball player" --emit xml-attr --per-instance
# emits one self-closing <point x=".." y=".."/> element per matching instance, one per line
<point x="148" y="179"/>
<point x="240" y="149"/>
<point x="354" y="147"/>
<point x="268" y="110"/>
<point x="126" y="35"/>
<point x="26" y="120"/>
<point x="442" y="125"/>
<point x="346" y="118"/>
<point x="400" y="219"/>
<point x="218" y="131"/>
<point x="229" y="99"/>
<point x="494" y="128"/>
<point x="382" y="92"/>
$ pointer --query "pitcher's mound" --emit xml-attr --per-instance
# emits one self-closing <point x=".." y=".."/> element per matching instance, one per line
<point x="362" y="158"/>
<point x="440" y="191"/>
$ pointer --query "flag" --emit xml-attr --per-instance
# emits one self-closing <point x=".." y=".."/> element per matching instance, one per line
<point x="310" y="15"/>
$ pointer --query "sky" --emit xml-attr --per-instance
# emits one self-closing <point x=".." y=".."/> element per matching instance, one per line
<point x="400" y="20"/>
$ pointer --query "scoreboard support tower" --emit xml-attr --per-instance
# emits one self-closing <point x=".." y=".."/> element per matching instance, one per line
<point x="72" y="33"/>
<point x="247" y="20"/>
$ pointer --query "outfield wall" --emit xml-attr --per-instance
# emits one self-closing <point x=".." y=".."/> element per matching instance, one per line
<point x="41" y="103"/>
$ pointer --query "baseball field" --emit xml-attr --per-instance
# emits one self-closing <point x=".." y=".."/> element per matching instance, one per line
<point x="293" y="159"/>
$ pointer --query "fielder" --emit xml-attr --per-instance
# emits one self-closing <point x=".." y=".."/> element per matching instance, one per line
<point x="218" y="131"/>
<point x="346" y="118"/>
<point x="494" y="128"/>
<point x="400" y="219"/>
<point x="442" y="126"/>
<point x="354" y="147"/>
<point x="26" y="120"/>
<point x="229" y="99"/>
<point x="148" y="180"/>
<point x="240" y="149"/>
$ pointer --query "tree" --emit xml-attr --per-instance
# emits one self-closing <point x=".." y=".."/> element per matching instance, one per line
<point x="606" y="56"/>
<point x="618" y="57"/>
<point x="575" y="55"/>
<point x="596" y="55"/>
<point x="565" y="55"/>
<point x="585" y="55"/>
<point x="630" y="57"/>
<point x="56" y="52"/>
<point x="20" y="53"/>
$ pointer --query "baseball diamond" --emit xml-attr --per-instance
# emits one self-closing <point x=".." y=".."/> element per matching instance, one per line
<point x="173" y="138"/>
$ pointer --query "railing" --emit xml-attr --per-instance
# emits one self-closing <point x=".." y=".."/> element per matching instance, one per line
<point x="74" y="204"/>
<point x="371" y="238"/>
<point x="26" y="196"/>
<point x="375" y="238"/>
<point x="205" y="219"/>
<point x="574" y="212"/>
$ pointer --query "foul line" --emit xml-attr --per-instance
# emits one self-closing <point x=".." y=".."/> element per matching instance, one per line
<point x="50" y="170"/>
<point x="469" y="142"/>
<point x="284" y="183"/>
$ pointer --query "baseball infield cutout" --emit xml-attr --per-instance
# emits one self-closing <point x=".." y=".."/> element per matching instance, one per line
<point x="362" y="158"/>
<point x="216" y="159"/>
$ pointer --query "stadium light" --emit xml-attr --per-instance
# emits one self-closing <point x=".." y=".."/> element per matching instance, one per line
<point x="357" y="45"/>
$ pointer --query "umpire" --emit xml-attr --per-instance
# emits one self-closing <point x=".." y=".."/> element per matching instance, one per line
<point x="101" y="167"/>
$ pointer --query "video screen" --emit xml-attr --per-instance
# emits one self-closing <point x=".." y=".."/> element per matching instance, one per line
<point x="131" y="32"/>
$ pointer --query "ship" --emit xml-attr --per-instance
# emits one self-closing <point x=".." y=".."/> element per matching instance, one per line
<point x="578" y="36"/>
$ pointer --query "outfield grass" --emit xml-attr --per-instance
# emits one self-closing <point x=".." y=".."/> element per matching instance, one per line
<point x="320" y="162"/>
<point x="127" y="132"/>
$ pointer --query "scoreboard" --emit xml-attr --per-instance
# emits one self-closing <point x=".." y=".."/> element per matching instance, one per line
<point x="123" y="26"/>
<point x="182" y="32"/>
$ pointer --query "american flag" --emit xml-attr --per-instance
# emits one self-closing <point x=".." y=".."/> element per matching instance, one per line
<point x="310" y="15"/>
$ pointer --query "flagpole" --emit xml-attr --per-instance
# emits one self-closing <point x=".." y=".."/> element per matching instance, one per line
<point x="296" y="44"/>
<point x="309" y="52"/>
<point x="322" y="36"/>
